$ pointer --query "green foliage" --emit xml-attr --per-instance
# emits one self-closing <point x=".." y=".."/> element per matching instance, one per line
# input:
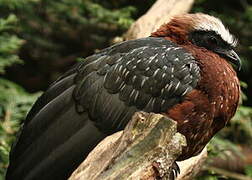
<point x="9" y="43"/>
<point x="57" y="32"/>
<point x="240" y="130"/>
<point x="116" y="17"/>
<point x="14" y="101"/>
<point x="210" y="175"/>
<point x="14" y="4"/>
<point x="248" y="14"/>
<point x="87" y="13"/>
<point x="248" y="170"/>
<point x="14" y="104"/>
<point x="221" y="147"/>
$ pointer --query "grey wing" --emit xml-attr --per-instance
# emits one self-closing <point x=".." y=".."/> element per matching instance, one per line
<point x="151" y="77"/>
<point x="96" y="98"/>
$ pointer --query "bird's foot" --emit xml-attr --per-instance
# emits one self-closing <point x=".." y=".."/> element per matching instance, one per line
<point x="175" y="171"/>
<point x="161" y="172"/>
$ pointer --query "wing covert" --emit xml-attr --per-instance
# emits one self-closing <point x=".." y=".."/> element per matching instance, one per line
<point x="151" y="77"/>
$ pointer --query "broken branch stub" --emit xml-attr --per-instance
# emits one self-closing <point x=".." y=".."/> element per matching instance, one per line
<point x="146" y="149"/>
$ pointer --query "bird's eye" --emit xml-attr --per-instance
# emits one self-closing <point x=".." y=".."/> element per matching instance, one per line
<point x="212" y="41"/>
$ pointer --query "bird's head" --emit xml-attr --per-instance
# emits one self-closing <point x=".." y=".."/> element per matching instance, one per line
<point x="201" y="30"/>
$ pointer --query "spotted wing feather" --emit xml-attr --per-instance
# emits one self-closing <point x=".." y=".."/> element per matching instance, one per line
<point x="96" y="98"/>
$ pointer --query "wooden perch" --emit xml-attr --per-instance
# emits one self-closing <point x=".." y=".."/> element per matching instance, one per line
<point x="160" y="13"/>
<point x="146" y="149"/>
<point x="190" y="168"/>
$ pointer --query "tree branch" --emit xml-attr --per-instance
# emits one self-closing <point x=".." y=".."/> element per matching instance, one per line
<point x="146" y="149"/>
<point x="160" y="13"/>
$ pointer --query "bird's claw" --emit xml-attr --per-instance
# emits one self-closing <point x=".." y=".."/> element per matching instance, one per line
<point x="175" y="171"/>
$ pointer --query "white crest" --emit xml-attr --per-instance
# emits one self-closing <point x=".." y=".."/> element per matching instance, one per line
<point x="209" y="23"/>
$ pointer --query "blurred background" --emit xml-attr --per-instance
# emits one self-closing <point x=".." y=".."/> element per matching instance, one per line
<point x="40" y="39"/>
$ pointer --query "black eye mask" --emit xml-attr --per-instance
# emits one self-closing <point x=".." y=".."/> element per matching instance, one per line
<point x="213" y="42"/>
<point x="209" y="40"/>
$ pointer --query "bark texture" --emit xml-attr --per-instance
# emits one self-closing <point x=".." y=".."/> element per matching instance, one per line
<point x="191" y="167"/>
<point x="146" y="149"/>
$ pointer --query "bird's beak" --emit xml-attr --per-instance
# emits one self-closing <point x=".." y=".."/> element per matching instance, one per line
<point x="232" y="57"/>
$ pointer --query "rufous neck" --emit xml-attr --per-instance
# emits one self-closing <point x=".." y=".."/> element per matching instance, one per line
<point x="174" y="31"/>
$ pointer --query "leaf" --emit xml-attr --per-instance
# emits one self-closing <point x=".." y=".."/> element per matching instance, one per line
<point x="248" y="170"/>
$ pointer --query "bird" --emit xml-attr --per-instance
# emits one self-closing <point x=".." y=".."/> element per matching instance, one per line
<point x="184" y="70"/>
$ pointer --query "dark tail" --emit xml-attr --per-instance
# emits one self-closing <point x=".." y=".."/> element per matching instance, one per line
<point x="54" y="142"/>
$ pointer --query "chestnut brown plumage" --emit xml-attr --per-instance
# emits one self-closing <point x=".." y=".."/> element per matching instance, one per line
<point x="182" y="71"/>
<point x="213" y="102"/>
